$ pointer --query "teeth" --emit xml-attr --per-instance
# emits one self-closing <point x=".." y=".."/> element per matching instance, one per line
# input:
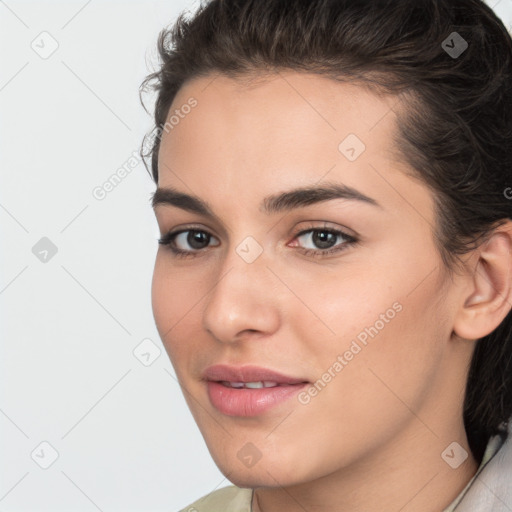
<point x="254" y="385"/>
<point x="250" y="385"/>
<point x="235" y="384"/>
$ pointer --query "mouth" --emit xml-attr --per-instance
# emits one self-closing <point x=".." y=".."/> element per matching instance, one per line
<point x="249" y="390"/>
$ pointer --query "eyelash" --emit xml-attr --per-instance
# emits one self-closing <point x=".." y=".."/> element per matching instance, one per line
<point x="168" y="241"/>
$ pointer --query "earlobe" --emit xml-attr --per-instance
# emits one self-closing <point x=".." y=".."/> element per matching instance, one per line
<point x="490" y="296"/>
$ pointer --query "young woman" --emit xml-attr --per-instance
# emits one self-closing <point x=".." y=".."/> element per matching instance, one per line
<point x="334" y="281"/>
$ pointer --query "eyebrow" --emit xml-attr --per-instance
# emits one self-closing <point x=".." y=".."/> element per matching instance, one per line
<point x="277" y="203"/>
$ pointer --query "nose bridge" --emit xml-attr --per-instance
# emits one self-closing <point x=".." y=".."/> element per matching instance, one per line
<point x="240" y="299"/>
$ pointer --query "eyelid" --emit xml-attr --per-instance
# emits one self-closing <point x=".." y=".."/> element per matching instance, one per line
<point x="328" y="226"/>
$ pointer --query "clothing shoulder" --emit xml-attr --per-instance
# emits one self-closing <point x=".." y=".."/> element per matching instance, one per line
<point x="491" y="488"/>
<point x="227" y="499"/>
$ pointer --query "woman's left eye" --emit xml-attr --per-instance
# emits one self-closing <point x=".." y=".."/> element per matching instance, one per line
<point x="324" y="238"/>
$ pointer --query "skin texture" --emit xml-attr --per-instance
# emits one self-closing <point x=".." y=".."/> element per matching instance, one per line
<point x="372" y="438"/>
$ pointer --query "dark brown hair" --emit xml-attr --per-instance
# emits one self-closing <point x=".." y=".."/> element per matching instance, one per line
<point x="455" y="131"/>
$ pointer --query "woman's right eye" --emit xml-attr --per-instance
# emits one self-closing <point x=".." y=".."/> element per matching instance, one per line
<point x="177" y="241"/>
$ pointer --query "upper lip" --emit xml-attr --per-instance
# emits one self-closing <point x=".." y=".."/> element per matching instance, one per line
<point x="224" y="372"/>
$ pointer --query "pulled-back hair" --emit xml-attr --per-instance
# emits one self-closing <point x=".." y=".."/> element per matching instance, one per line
<point x="455" y="130"/>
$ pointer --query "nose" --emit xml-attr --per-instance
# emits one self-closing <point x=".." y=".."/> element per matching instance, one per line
<point x="243" y="300"/>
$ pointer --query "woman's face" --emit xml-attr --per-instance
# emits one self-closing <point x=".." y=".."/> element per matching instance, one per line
<point x="367" y="325"/>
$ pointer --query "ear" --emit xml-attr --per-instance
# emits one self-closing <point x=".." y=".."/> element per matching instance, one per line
<point x="489" y="299"/>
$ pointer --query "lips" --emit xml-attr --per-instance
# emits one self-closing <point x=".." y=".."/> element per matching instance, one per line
<point x="244" y="374"/>
<point x="249" y="390"/>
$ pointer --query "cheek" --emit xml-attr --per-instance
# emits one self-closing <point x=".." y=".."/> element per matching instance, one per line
<point x="385" y="353"/>
<point x="173" y="298"/>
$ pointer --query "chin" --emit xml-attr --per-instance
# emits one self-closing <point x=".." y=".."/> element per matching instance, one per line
<point x="264" y="473"/>
<point x="252" y="479"/>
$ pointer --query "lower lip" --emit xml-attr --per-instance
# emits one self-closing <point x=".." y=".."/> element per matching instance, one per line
<point x="249" y="402"/>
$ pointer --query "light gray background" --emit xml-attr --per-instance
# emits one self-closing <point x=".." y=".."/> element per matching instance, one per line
<point x="72" y="372"/>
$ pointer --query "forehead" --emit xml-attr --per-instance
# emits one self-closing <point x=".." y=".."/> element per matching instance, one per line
<point x="286" y="102"/>
<point x="282" y="117"/>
